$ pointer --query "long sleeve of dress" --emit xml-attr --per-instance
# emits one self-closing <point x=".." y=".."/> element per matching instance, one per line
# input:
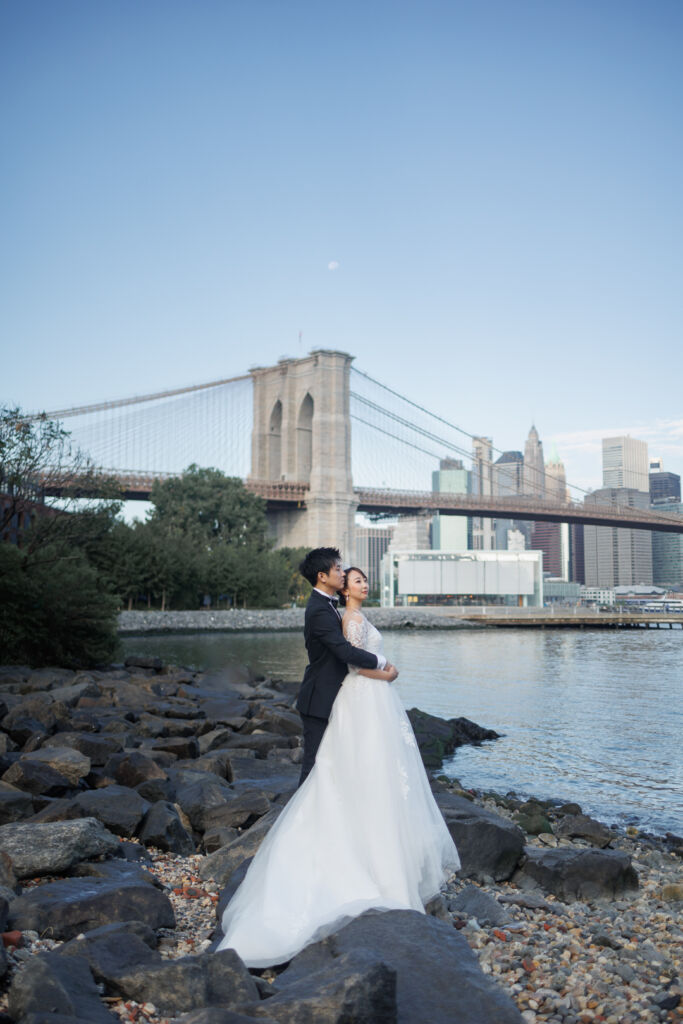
<point x="356" y="634"/>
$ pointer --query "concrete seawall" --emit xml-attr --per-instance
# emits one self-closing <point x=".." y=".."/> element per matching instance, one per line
<point x="276" y="620"/>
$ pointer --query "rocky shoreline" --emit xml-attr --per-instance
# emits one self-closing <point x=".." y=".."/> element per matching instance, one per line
<point x="276" y="620"/>
<point x="132" y="799"/>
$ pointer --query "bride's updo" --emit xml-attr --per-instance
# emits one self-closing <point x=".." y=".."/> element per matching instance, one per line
<point x="351" y="568"/>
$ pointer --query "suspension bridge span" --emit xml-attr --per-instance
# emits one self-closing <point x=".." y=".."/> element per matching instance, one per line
<point x="319" y="440"/>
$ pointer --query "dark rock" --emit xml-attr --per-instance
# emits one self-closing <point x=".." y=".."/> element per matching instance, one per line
<point x="667" y="1000"/>
<point x="157" y="789"/>
<point x="280" y="720"/>
<point x="221" y="864"/>
<point x="580" y="826"/>
<point x="49" y="983"/>
<point x="472" y="902"/>
<point x="37" y="778"/>
<point x="534" y="822"/>
<point x="214" y="739"/>
<point x="217" y="761"/>
<point x="116" y="869"/>
<point x="231" y="886"/>
<point x="568" y="809"/>
<point x="242" y="810"/>
<point x="437" y="737"/>
<point x="53" y="848"/>
<point x="8" y="878"/>
<point x="135" y="661"/>
<point x="97" y="747"/>
<point x="359" y="988"/>
<point x="69" y="906"/>
<point x="254" y="773"/>
<point x="178" y="986"/>
<point x="70" y="763"/>
<point x="131" y="767"/>
<point x="218" y="1015"/>
<point x="261" y="742"/>
<point x="438" y="978"/>
<point x="162" y="827"/>
<point x="181" y="746"/>
<point x="578" y="874"/>
<point x="14" y="804"/>
<point x="119" y="808"/>
<point x="132" y="852"/>
<point x="216" y="837"/>
<point x="198" y="793"/>
<point x="112" y="950"/>
<point x="123" y="929"/>
<point x="57" y="809"/>
<point x="489" y="845"/>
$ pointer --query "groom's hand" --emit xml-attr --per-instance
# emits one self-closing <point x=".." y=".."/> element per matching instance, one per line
<point x="392" y="670"/>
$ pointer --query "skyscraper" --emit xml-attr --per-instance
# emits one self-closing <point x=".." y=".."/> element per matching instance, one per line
<point x="371" y="544"/>
<point x="665" y="485"/>
<point x="507" y="480"/>
<point x="534" y="467"/>
<point x="553" y="538"/>
<point x="481" y="483"/>
<point x="617" y="556"/>
<point x="625" y="463"/>
<point x="450" y="533"/>
<point x="667" y="548"/>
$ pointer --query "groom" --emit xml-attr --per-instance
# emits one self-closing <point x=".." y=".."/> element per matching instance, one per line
<point x="329" y="652"/>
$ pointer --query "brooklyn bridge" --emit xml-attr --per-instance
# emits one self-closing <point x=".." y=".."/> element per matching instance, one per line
<point x="319" y="440"/>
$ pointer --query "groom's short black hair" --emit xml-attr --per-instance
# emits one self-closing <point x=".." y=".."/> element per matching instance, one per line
<point x="318" y="560"/>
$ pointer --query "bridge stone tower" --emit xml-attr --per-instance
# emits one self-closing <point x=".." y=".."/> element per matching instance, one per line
<point x="302" y="434"/>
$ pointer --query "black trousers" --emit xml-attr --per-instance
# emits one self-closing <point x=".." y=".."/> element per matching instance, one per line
<point x="313" y="733"/>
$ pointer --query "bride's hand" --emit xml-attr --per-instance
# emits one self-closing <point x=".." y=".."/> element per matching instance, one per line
<point x="391" y="671"/>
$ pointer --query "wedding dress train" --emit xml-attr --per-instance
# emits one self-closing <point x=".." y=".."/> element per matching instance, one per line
<point x="362" y="832"/>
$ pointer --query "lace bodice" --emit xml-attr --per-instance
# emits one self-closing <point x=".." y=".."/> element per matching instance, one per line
<point x="363" y="634"/>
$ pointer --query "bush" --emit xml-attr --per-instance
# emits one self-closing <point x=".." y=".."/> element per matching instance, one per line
<point x="54" y="610"/>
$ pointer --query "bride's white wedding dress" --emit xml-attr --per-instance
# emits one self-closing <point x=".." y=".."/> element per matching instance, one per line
<point x="362" y="832"/>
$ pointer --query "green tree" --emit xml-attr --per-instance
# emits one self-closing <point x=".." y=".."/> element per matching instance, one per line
<point x="54" y="610"/>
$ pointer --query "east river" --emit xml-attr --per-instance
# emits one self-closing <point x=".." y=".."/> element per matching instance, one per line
<point x="588" y="716"/>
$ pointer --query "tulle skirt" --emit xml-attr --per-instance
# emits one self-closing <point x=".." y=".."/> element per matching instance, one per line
<point x="362" y="832"/>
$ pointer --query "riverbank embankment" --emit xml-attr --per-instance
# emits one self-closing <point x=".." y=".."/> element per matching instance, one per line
<point x="290" y="620"/>
<point x="276" y="620"/>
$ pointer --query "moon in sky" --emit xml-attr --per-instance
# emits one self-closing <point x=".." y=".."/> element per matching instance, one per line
<point x="333" y="265"/>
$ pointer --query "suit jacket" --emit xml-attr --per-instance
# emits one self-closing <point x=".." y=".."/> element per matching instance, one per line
<point x="329" y="654"/>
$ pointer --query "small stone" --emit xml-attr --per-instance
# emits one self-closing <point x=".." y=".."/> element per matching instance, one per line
<point x="672" y="893"/>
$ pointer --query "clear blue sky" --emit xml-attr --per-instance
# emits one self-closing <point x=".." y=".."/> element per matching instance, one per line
<point x="496" y="184"/>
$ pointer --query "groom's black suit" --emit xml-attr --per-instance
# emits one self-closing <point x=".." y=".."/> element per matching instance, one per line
<point x="329" y="654"/>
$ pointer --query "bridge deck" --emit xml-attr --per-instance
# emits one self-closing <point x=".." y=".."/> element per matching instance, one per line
<point x="382" y="503"/>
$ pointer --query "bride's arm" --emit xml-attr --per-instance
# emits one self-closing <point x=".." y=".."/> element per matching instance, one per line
<point x="353" y="627"/>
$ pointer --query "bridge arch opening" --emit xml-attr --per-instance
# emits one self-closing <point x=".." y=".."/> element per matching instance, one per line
<point x="304" y="440"/>
<point x="275" y="442"/>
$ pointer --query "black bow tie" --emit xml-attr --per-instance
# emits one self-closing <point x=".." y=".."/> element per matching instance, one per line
<point x="333" y="600"/>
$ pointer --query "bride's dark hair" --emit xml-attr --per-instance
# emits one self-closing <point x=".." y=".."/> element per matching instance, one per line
<point x="351" y="568"/>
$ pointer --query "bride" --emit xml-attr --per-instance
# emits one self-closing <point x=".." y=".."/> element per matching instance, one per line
<point x="363" y="831"/>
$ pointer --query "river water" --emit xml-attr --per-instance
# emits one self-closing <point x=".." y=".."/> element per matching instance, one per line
<point x="588" y="716"/>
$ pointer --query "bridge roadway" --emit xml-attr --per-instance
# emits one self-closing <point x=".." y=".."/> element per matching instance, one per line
<point x="382" y="503"/>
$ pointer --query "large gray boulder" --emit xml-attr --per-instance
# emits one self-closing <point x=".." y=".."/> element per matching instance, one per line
<point x="438" y="978"/>
<point x="70" y="763"/>
<point x="578" y="874"/>
<point x="37" y="778"/>
<point x="178" y="986"/>
<point x="62" y="986"/>
<point x="357" y="987"/>
<point x="221" y="864"/>
<point x="119" y="808"/>
<point x="96" y="746"/>
<point x="580" y="826"/>
<point x="489" y="845"/>
<point x="54" y="847"/>
<point x="63" y="909"/>
<point x="162" y="827"/>
<point x="14" y="803"/>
